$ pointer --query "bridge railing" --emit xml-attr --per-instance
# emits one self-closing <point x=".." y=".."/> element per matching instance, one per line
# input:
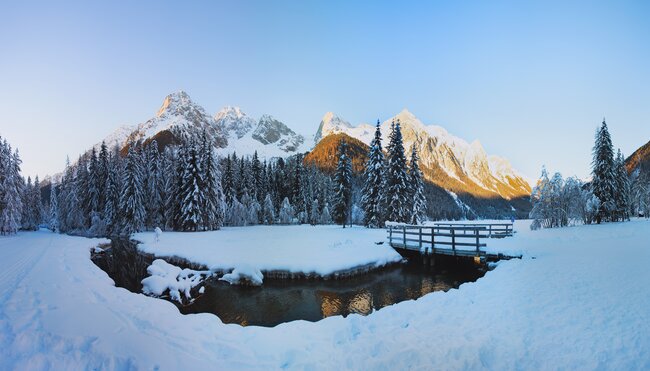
<point x="493" y="230"/>
<point x="441" y="239"/>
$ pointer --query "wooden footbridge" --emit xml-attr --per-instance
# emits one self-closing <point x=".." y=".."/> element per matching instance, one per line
<point x="447" y="239"/>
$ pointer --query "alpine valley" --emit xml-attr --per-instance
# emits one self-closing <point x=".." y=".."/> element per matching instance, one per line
<point x="462" y="181"/>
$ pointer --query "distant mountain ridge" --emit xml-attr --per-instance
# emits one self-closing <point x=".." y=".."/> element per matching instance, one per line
<point x="447" y="160"/>
<point x="461" y="168"/>
<point x="229" y="129"/>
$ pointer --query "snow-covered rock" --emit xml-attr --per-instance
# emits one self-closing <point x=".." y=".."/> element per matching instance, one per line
<point x="167" y="277"/>
<point x="244" y="274"/>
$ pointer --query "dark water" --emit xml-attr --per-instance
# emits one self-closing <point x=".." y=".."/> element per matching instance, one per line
<point x="280" y="300"/>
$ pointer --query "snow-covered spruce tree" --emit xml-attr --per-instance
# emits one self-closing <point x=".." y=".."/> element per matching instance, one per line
<point x="228" y="180"/>
<point x="237" y="214"/>
<point x="214" y="207"/>
<point x="286" y="214"/>
<point x="640" y="194"/>
<point x="343" y="186"/>
<point x="112" y="219"/>
<point x="325" y="217"/>
<point x="268" y="211"/>
<point x="173" y="170"/>
<point x="372" y="193"/>
<point x="396" y="203"/>
<point x="622" y="194"/>
<point x="416" y="185"/>
<point x="132" y="207"/>
<point x="27" y="219"/>
<point x="243" y="179"/>
<point x="32" y="213"/>
<point x="11" y="185"/>
<point x="191" y="195"/>
<point x="314" y="217"/>
<point x="297" y="194"/>
<point x="53" y="222"/>
<point x="92" y="189"/>
<point x="256" y="181"/>
<point x="37" y="203"/>
<point x="153" y="187"/>
<point x="603" y="173"/>
<point x="102" y="176"/>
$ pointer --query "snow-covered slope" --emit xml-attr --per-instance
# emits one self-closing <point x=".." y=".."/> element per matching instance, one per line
<point x="461" y="161"/>
<point x="230" y="129"/>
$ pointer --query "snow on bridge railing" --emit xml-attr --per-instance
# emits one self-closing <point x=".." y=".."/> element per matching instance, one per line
<point x="438" y="239"/>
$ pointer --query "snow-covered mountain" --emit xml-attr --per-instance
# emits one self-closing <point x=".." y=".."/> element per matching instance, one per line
<point x="230" y="129"/>
<point x="449" y="161"/>
<point x="465" y="164"/>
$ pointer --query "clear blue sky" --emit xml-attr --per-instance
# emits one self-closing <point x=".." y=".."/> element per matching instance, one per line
<point x="532" y="81"/>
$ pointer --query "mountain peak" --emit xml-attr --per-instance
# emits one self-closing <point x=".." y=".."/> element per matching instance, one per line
<point x="331" y="123"/>
<point x="229" y="111"/>
<point x="173" y="101"/>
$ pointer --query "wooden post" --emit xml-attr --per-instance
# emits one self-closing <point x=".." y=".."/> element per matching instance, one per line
<point x="477" y="242"/>
<point x="433" y="244"/>
<point x="390" y="235"/>
<point x="490" y="232"/>
<point x="404" y="235"/>
<point x="420" y="237"/>
<point x="453" y="240"/>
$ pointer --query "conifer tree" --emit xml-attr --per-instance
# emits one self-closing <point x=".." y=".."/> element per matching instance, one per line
<point x="214" y="199"/>
<point x="622" y="198"/>
<point x="372" y="190"/>
<point x="256" y="174"/>
<point x="92" y="184"/>
<point x="603" y="174"/>
<point x="11" y="188"/>
<point x="102" y="176"/>
<point x="228" y="181"/>
<point x="54" y="210"/>
<point x="191" y="196"/>
<point x="343" y="184"/>
<point x="37" y="203"/>
<point x="268" y="212"/>
<point x="396" y="204"/>
<point x="325" y="217"/>
<point x="314" y="217"/>
<point x="132" y="208"/>
<point x="286" y="213"/>
<point x="416" y="185"/>
<point x="113" y="187"/>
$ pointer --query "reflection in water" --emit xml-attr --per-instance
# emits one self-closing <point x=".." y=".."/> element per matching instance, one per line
<point x="279" y="301"/>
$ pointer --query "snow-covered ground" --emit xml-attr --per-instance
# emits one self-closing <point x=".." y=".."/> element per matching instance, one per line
<point x="322" y="250"/>
<point x="579" y="299"/>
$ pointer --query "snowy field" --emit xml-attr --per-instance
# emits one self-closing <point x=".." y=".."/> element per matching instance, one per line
<point x="582" y="302"/>
<point x="321" y="250"/>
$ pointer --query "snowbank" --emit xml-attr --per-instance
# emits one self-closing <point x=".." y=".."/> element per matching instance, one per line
<point x="581" y="303"/>
<point x="165" y="276"/>
<point x="319" y="250"/>
<point x="244" y="274"/>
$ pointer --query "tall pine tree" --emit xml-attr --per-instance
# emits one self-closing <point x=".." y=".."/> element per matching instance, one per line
<point x="372" y="189"/>
<point x="603" y="183"/>
<point x="343" y="184"/>
<point x="396" y="192"/>
<point x="416" y="189"/>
